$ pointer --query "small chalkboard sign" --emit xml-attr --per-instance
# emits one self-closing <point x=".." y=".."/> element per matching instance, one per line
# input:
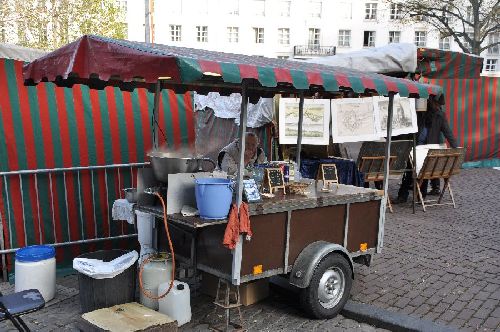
<point x="274" y="179"/>
<point x="328" y="174"/>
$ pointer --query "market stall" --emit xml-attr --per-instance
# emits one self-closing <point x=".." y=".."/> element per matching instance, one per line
<point x="313" y="236"/>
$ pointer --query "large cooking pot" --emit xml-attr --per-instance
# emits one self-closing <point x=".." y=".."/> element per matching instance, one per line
<point x="165" y="163"/>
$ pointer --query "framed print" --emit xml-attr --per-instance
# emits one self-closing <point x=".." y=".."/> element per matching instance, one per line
<point x="251" y="191"/>
<point x="354" y="120"/>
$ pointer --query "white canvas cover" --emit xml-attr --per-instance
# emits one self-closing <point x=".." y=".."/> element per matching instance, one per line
<point x="398" y="57"/>
<point x="15" y="52"/>
<point x="228" y="107"/>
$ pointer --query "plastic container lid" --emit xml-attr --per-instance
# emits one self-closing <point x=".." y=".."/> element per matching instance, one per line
<point x="35" y="253"/>
<point x="180" y="286"/>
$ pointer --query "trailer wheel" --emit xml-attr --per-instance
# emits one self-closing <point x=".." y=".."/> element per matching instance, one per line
<point x="329" y="288"/>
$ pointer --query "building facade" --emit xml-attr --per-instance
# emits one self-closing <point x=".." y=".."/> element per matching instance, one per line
<point x="285" y="28"/>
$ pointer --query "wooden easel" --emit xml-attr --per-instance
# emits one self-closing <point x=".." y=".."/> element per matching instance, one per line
<point x="328" y="174"/>
<point x="373" y="168"/>
<point x="440" y="164"/>
<point x="274" y="179"/>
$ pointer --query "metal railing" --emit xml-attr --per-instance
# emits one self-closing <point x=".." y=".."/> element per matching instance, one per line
<point x="313" y="50"/>
<point x="122" y="171"/>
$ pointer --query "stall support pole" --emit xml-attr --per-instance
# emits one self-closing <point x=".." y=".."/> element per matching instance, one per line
<point x="299" y="135"/>
<point x="414" y="171"/>
<point x="156" y="107"/>
<point x="238" y="250"/>
<point x="388" y="149"/>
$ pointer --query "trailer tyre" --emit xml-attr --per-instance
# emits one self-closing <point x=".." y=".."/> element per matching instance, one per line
<point x="329" y="288"/>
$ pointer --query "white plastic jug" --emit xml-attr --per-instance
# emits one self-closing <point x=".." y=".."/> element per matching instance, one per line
<point x="177" y="303"/>
<point x="158" y="270"/>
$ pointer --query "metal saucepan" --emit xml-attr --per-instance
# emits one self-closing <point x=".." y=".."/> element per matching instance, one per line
<point x="165" y="163"/>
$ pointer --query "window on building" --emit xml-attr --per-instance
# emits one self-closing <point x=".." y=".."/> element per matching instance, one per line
<point x="344" y="38"/>
<point x="283" y="57"/>
<point x="284" y="36"/>
<point x="284" y="8"/>
<point x="491" y="65"/>
<point x="369" y="38"/>
<point x="259" y="35"/>
<point x="175" y="32"/>
<point x="232" y="34"/>
<point x="492" y="39"/>
<point x="259" y="7"/>
<point x="445" y="43"/>
<point x="370" y="11"/>
<point x="396" y="11"/>
<point x="420" y="38"/>
<point x="202" y="33"/>
<point x="314" y="37"/>
<point x="315" y="8"/>
<point x="232" y="7"/>
<point x="394" y="36"/>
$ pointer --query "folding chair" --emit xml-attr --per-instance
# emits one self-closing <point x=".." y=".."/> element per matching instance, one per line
<point x="373" y="169"/>
<point x="14" y="305"/>
<point x="440" y="164"/>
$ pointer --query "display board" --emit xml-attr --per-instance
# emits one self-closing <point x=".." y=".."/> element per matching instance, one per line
<point x="401" y="149"/>
<point x="274" y="179"/>
<point x="328" y="174"/>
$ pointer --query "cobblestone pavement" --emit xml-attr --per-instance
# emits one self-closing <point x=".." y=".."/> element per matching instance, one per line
<point x="442" y="265"/>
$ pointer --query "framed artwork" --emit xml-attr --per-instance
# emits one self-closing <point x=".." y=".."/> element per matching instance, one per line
<point x="251" y="191"/>
<point x="354" y="120"/>
<point x="315" y="126"/>
<point x="404" y="118"/>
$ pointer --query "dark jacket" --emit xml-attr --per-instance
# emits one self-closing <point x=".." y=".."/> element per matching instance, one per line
<point x="436" y="123"/>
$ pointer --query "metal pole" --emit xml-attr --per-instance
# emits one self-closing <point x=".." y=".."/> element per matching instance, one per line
<point x="237" y="252"/>
<point x="414" y="171"/>
<point x="388" y="149"/>
<point x="147" y="29"/>
<point x="155" y="114"/>
<point x="61" y="244"/>
<point x="299" y="129"/>
<point x="71" y="169"/>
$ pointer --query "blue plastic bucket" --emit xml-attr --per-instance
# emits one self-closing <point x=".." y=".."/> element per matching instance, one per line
<point x="213" y="197"/>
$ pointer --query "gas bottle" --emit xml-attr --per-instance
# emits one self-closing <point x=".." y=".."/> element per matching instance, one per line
<point x="158" y="270"/>
<point x="177" y="303"/>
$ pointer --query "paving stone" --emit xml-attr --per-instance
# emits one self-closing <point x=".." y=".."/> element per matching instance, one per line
<point x="492" y="323"/>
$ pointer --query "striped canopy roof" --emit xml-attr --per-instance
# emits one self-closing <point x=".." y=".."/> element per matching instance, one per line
<point x="98" y="61"/>
<point x="433" y="63"/>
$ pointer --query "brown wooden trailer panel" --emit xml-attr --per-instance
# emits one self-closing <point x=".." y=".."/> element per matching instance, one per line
<point x="311" y="225"/>
<point x="211" y="252"/>
<point x="363" y="225"/>
<point x="267" y="247"/>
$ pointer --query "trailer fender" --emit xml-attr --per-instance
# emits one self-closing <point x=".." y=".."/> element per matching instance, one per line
<point x="309" y="258"/>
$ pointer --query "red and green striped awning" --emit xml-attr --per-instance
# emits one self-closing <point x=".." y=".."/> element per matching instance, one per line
<point x="440" y="64"/>
<point x="98" y="61"/>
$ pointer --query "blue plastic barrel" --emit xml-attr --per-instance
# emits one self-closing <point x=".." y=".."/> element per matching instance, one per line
<point x="213" y="197"/>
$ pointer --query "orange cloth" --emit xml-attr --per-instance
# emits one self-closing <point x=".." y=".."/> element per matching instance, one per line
<point x="236" y="225"/>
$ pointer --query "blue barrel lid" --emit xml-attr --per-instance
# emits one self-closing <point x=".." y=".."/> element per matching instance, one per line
<point x="35" y="253"/>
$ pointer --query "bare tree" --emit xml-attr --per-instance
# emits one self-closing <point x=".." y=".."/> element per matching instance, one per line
<point x="49" y="24"/>
<point x="469" y="22"/>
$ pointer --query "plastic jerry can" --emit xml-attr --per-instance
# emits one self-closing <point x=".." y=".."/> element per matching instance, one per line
<point x="177" y="303"/>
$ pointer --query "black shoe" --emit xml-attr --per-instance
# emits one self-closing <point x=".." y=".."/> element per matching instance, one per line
<point x="400" y="200"/>
<point x="434" y="192"/>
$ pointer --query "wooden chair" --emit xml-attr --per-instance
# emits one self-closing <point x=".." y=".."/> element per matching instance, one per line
<point x="440" y="164"/>
<point x="373" y="169"/>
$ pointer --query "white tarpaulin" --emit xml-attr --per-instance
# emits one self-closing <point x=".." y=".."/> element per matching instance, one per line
<point x="228" y="107"/>
<point x="400" y="57"/>
<point x="9" y="51"/>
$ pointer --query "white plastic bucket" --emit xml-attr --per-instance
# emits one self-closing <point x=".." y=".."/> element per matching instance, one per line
<point x="35" y="268"/>
<point x="177" y="303"/>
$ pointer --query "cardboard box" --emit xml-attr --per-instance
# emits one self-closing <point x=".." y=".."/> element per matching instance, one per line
<point x="250" y="292"/>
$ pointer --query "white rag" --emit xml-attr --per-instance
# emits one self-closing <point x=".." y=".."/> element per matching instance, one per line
<point x="123" y="210"/>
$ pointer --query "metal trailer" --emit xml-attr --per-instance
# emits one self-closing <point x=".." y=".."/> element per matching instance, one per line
<point x="314" y="239"/>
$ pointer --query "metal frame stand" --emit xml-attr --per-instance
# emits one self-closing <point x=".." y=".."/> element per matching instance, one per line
<point x="223" y="300"/>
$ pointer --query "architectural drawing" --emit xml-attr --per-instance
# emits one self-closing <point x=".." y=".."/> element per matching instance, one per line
<point x="353" y="120"/>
